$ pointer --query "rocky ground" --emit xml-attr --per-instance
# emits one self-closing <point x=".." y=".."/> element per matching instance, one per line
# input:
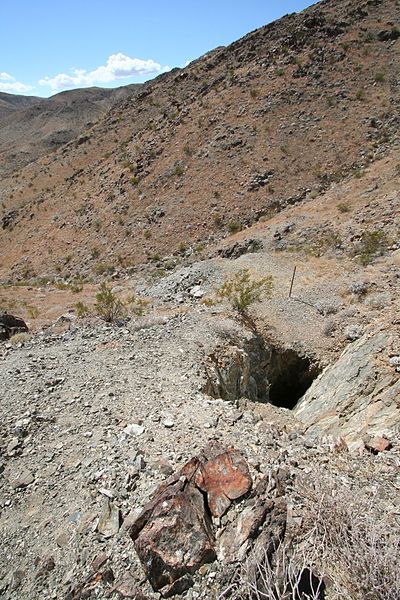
<point x="277" y="153"/>
<point x="97" y="416"/>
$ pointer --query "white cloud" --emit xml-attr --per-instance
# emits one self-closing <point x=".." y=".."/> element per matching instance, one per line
<point x="118" y="66"/>
<point x="9" y="84"/>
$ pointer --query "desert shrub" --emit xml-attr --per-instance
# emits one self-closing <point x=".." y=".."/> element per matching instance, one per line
<point x="33" y="311"/>
<point x="348" y="544"/>
<point x="103" y="269"/>
<point x="81" y="309"/>
<point x="372" y="244"/>
<point x="20" y="338"/>
<point x="234" y="227"/>
<point x="328" y="307"/>
<point x="74" y="286"/>
<point x="283" y="575"/>
<point x="343" y="207"/>
<point x="242" y="291"/>
<point x="330" y="327"/>
<point x="360" y="95"/>
<point x="108" y="306"/>
<point x="359" y="288"/>
<point x="137" y="305"/>
<point x="360" y="547"/>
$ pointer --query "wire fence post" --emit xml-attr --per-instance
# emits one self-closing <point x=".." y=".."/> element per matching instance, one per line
<point x="291" y="285"/>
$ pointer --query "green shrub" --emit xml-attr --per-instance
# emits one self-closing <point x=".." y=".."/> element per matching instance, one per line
<point x="343" y="207"/>
<point x="108" y="306"/>
<point x="242" y="291"/>
<point x="81" y="309"/>
<point x="372" y="243"/>
<point x="137" y="305"/>
<point x="234" y="227"/>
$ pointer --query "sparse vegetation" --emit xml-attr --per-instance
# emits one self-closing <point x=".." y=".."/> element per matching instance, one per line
<point x="75" y="286"/>
<point x="103" y="269"/>
<point x="81" y="309"/>
<point x="20" y="338"/>
<point x="379" y="77"/>
<point x="234" y="227"/>
<point x="343" y="207"/>
<point x="33" y="311"/>
<point x="345" y="547"/>
<point x="137" y="305"/>
<point x="108" y="306"/>
<point x="371" y="245"/>
<point x="242" y="290"/>
<point x="360" y="94"/>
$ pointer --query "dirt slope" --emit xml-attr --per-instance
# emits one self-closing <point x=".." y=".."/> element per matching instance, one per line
<point x="32" y="127"/>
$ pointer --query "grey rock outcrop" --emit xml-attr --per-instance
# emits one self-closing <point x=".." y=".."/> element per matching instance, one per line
<point x="358" y="395"/>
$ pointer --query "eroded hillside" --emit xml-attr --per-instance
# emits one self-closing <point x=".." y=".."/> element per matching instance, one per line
<point x="238" y="135"/>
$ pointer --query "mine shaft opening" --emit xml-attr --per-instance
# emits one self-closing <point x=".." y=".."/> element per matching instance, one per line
<point x="289" y="376"/>
<point x="261" y="371"/>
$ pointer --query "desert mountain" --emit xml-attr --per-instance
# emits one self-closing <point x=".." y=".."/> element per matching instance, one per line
<point x="246" y="130"/>
<point x="12" y="102"/>
<point x="31" y="127"/>
<point x="157" y="437"/>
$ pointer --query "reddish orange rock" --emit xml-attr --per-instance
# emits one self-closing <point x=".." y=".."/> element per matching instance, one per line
<point x="378" y="444"/>
<point x="173" y="535"/>
<point x="224" y="478"/>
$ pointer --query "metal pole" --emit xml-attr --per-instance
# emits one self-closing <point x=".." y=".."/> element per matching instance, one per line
<point x="293" y="276"/>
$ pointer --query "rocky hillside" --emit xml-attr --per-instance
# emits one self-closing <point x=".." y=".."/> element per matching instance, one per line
<point x="186" y="447"/>
<point x="12" y="102"/>
<point x="31" y="127"/>
<point x="245" y="131"/>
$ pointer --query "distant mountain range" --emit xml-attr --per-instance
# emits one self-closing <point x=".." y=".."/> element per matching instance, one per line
<point x="31" y="126"/>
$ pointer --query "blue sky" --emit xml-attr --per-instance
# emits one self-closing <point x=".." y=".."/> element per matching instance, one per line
<point x="47" y="46"/>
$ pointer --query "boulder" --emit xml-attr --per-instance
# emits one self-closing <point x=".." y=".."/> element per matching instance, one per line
<point x="173" y="535"/>
<point x="10" y="325"/>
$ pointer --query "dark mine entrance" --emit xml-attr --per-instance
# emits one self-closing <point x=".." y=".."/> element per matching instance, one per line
<point x="260" y="371"/>
<point x="289" y="375"/>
